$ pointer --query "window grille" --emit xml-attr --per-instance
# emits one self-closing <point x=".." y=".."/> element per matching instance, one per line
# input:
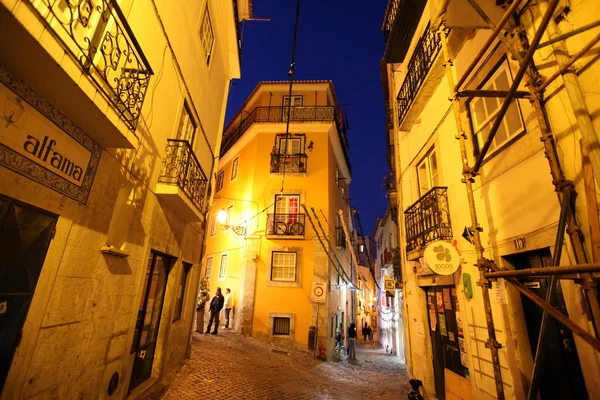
<point x="281" y="326"/>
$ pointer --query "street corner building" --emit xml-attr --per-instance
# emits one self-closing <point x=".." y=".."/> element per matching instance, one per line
<point x="280" y="229"/>
<point x="111" y="118"/>
<point x="494" y="158"/>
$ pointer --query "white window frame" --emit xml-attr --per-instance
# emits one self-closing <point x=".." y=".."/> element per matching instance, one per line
<point x="514" y="111"/>
<point x="223" y="267"/>
<point x="213" y="225"/>
<point x="291" y="142"/>
<point x="432" y="178"/>
<point x="229" y="214"/>
<point x="220" y="180"/>
<point x="207" y="35"/>
<point x="234" y="168"/>
<point x="208" y="267"/>
<point x="186" y="129"/>
<point x="297" y="100"/>
<point x="284" y="275"/>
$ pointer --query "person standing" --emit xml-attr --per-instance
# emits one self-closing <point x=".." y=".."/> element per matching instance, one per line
<point x="216" y="305"/>
<point x="352" y="341"/>
<point x="228" y="306"/>
<point x="203" y="297"/>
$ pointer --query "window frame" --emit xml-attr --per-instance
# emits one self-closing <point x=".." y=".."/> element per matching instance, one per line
<point x="274" y="266"/>
<point x="206" y="19"/>
<point x="220" y="181"/>
<point x="426" y="160"/>
<point x="287" y="332"/>
<point x="281" y="137"/>
<point x="234" y="168"/>
<point x="222" y="275"/>
<point x="181" y="290"/>
<point x="293" y="97"/>
<point x="186" y="110"/>
<point x="213" y="225"/>
<point x="207" y="270"/>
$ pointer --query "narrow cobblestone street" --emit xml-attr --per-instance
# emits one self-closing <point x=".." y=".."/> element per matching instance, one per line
<point x="230" y="366"/>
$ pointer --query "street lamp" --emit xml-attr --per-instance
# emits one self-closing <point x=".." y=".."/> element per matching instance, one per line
<point x="222" y="218"/>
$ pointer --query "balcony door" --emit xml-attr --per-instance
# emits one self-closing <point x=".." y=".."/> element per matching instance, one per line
<point x="427" y="173"/>
<point x="25" y="233"/>
<point x="290" y="146"/>
<point x="187" y="125"/>
<point x="146" y="328"/>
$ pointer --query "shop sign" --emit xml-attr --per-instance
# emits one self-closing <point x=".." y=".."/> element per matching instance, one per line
<point x="442" y="258"/>
<point x="38" y="141"/>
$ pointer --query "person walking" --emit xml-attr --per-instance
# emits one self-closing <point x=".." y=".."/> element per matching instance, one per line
<point x="369" y="334"/>
<point x="364" y="331"/>
<point x="216" y="305"/>
<point x="203" y="297"/>
<point x="228" y="306"/>
<point x="352" y="341"/>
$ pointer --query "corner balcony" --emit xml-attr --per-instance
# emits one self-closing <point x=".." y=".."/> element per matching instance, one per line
<point x="289" y="164"/>
<point x="426" y="221"/>
<point x="285" y="226"/>
<point x="182" y="183"/>
<point x="84" y="58"/>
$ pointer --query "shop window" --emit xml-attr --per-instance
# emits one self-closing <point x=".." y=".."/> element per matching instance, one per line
<point x="181" y="289"/>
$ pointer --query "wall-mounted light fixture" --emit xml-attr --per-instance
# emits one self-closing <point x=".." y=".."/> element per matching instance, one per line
<point x="311" y="145"/>
<point x="13" y="110"/>
<point x="222" y="219"/>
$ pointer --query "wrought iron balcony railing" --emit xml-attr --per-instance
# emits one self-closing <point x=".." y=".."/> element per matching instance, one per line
<point x="98" y="37"/>
<point x="290" y="163"/>
<point x="181" y="168"/>
<point x="425" y="53"/>
<point x="340" y="237"/>
<point x="285" y="224"/>
<point x="428" y="219"/>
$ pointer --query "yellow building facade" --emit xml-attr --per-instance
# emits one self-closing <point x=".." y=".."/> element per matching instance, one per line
<point x="447" y="336"/>
<point x="281" y="194"/>
<point x="112" y="115"/>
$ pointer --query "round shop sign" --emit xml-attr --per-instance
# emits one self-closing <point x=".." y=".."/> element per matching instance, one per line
<point x="442" y="258"/>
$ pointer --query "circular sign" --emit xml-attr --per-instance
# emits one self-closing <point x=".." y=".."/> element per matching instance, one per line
<point x="442" y="258"/>
<point x="319" y="291"/>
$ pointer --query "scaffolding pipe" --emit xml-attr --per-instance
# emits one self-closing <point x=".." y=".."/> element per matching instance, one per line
<point x="491" y="93"/>
<point x="569" y="34"/>
<point x="492" y="343"/>
<point x="541" y="348"/>
<point x="515" y="84"/>
<point x="545" y="271"/>
<point x="509" y="12"/>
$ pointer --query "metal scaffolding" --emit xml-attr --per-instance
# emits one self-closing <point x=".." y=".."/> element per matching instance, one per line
<point x="583" y="272"/>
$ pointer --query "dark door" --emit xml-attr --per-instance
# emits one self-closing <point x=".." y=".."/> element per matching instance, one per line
<point x="148" y="321"/>
<point x="560" y="376"/>
<point x="25" y="233"/>
<point x="447" y="339"/>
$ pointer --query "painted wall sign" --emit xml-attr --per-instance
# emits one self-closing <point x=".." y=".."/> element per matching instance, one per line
<point x="318" y="294"/>
<point x="40" y="142"/>
<point x="442" y="258"/>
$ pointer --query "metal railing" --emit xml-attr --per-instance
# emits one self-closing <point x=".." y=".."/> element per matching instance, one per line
<point x="183" y="169"/>
<point x="426" y="51"/>
<point x="340" y="237"/>
<point x="428" y="219"/>
<point x="390" y="15"/>
<point x="291" y="163"/>
<point x="279" y="114"/>
<point x="97" y="35"/>
<point x="285" y="224"/>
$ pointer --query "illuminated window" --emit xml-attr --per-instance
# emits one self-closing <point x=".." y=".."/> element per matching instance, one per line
<point x="185" y="269"/>
<point x="484" y="110"/>
<point x="223" y="267"/>
<point x="234" y="168"/>
<point x="187" y="125"/>
<point x="427" y="173"/>
<point x="220" y="180"/>
<point x="207" y="35"/>
<point x="208" y="268"/>
<point x="361" y="248"/>
<point x="283" y="266"/>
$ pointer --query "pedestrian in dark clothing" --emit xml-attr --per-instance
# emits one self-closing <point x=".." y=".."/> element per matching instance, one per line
<point x="364" y="331"/>
<point x="216" y="304"/>
<point x="369" y="333"/>
<point x="352" y="341"/>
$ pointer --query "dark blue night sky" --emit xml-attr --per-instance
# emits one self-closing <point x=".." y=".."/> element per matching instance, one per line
<point x="338" y="40"/>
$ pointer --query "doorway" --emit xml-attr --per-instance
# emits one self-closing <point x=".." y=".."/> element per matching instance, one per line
<point x="148" y="320"/>
<point x="561" y="376"/>
<point x="25" y="234"/>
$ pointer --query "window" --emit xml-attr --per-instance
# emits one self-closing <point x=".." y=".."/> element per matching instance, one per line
<point x="484" y="109"/>
<point x="223" y="267"/>
<point x="281" y="326"/>
<point x="185" y="269"/>
<point x="427" y="173"/>
<point x="361" y="248"/>
<point x="207" y="35"/>
<point x="297" y="100"/>
<point x="283" y="266"/>
<point x="208" y="268"/>
<point x="229" y="212"/>
<point x="290" y="144"/>
<point x="220" y="180"/>
<point x="287" y="208"/>
<point x="337" y="176"/>
<point x="343" y="190"/>
<point x="187" y="125"/>
<point x="234" y="168"/>
<point x="213" y="225"/>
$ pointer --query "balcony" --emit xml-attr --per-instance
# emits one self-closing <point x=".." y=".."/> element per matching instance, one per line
<point x="291" y="163"/>
<point x="400" y="22"/>
<point x="427" y="220"/>
<point x="82" y="57"/>
<point x="340" y="237"/>
<point x="182" y="183"/>
<point x="287" y="225"/>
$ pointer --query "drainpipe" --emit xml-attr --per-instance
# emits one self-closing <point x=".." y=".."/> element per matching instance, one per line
<point x="575" y="93"/>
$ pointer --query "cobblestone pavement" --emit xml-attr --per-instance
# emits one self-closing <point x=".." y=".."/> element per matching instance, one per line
<point x="230" y="366"/>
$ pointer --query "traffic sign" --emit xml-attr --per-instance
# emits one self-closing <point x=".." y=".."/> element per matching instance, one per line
<point x="318" y="294"/>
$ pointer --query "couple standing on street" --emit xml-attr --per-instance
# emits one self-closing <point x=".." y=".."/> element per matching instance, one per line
<point x="216" y="305"/>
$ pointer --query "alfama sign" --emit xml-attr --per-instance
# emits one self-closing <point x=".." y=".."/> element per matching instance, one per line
<point x="38" y="141"/>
